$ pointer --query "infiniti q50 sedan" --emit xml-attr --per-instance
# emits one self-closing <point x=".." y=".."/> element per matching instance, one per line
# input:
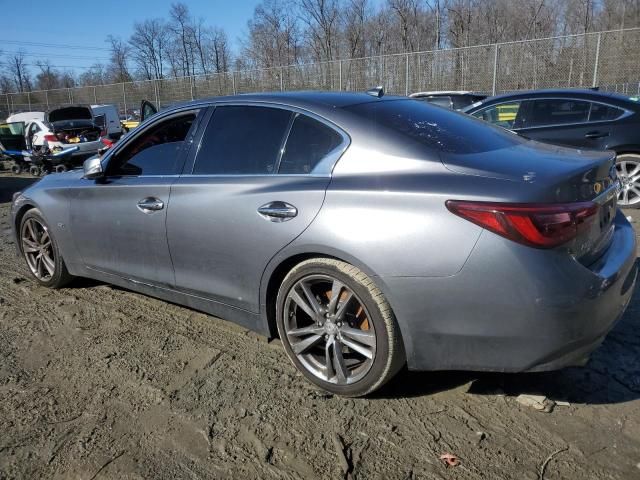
<point x="367" y="231"/>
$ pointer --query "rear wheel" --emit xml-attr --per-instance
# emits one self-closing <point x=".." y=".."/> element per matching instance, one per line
<point x="628" y="167"/>
<point x="41" y="251"/>
<point x="16" y="169"/>
<point x="337" y="328"/>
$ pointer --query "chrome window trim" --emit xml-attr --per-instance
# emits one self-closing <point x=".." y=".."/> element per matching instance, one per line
<point x="324" y="168"/>
<point x="625" y="112"/>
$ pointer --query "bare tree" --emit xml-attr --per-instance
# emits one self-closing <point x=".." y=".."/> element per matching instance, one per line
<point x="321" y="18"/>
<point x="274" y="39"/>
<point x="148" y="44"/>
<point x="182" y="27"/>
<point x="18" y="70"/>
<point x="95" y="75"/>
<point x="355" y="25"/>
<point x="47" y="78"/>
<point x="118" y="68"/>
<point x="219" y="52"/>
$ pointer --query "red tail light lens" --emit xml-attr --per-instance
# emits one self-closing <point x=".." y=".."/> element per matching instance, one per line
<point x="535" y="225"/>
<point x="51" y="138"/>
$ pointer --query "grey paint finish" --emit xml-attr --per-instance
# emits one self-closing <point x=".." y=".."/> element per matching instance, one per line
<point x="234" y="242"/>
<point x="115" y="235"/>
<point x="463" y="297"/>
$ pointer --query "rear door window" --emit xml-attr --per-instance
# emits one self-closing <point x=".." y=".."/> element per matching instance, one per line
<point x="600" y="112"/>
<point x="307" y="144"/>
<point x="556" y="111"/>
<point x="242" y="140"/>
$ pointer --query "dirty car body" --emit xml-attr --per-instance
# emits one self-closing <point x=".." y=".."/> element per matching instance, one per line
<point x="414" y="196"/>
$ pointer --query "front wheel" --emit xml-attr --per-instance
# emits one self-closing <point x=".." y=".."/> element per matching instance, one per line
<point x="337" y="328"/>
<point x="41" y="252"/>
<point x="628" y="167"/>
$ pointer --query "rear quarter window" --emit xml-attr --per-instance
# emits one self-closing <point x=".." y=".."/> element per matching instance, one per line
<point x="437" y="128"/>
<point x="600" y="112"/>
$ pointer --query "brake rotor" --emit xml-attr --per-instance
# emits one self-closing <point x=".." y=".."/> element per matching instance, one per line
<point x="361" y="320"/>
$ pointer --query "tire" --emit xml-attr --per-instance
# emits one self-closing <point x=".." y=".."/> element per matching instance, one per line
<point x="53" y="272"/>
<point x="35" y="171"/>
<point x="360" y="312"/>
<point x="16" y="169"/>
<point x="60" y="168"/>
<point x="628" y="167"/>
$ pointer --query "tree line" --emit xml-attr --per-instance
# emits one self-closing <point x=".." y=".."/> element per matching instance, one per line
<point x="289" y="32"/>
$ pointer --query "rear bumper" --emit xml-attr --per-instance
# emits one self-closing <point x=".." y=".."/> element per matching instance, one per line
<point x="513" y="308"/>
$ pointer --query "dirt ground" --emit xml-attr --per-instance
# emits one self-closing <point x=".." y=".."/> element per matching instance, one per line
<point x="99" y="382"/>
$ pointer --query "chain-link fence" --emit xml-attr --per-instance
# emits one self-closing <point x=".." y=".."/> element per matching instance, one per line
<point x="609" y="59"/>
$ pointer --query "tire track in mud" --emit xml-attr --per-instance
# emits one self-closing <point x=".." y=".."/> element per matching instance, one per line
<point x="91" y="373"/>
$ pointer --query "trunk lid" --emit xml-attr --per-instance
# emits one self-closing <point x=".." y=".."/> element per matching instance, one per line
<point x="75" y="112"/>
<point x="554" y="174"/>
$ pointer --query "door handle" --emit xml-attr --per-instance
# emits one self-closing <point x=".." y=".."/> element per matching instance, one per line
<point x="150" y="204"/>
<point x="596" y="134"/>
<point x="278" y="211"/>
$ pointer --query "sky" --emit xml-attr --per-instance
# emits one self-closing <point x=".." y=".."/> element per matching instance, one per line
<point x="86" y="24"/>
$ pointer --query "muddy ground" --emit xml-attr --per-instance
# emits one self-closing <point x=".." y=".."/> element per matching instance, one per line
<point x="99" y="382"/>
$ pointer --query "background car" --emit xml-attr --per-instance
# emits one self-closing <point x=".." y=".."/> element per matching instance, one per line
<point x="63" y="128"/>
<point x="575" y="118"/>
<point x="368" y="232"/>
<point x="455" y="100"/>
<point x="106" y="116"/>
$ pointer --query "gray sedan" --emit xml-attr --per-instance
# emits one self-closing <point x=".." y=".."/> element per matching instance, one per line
<point x="369" y="232"/>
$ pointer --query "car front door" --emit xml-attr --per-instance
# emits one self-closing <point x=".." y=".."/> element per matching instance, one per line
<point x="119" y="221"/>
<point x="257" y="181"/>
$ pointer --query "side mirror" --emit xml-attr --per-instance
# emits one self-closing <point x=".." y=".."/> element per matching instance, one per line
<point x="93" y="168"/>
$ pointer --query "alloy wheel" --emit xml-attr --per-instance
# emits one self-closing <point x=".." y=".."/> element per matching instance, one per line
<point x="38" y="249"/>
<point x="629" y="174"/>
<point x="329" y="329"/>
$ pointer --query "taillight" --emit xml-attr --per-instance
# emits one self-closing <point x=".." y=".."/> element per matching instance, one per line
<point x="536" y="225"/>
<point x="51" y="138"/>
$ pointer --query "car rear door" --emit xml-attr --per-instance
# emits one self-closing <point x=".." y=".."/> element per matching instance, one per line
<point x="257" y="181"/>
<point x="119" y="221"/>
<point x="565" y="121"/>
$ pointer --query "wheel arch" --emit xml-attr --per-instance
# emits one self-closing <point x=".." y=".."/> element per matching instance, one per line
<point x="17" y="220"/>
<point x="627" y="150"/>
<point x="281" y="265"/>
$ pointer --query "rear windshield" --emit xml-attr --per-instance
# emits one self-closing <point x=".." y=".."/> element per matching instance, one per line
<point x="434" y="127"/>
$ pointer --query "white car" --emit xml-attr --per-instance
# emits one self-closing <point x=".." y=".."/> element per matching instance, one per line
<point x="63" y="128"/>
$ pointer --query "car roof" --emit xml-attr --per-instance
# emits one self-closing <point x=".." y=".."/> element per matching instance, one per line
<point x="301" y="99"/>
<point x="583" y="93"/>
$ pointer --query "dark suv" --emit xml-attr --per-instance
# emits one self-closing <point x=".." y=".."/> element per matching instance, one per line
<point x="587" y="119"/>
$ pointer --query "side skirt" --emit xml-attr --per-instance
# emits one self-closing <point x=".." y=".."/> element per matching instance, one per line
<point x="247" y="319"/>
